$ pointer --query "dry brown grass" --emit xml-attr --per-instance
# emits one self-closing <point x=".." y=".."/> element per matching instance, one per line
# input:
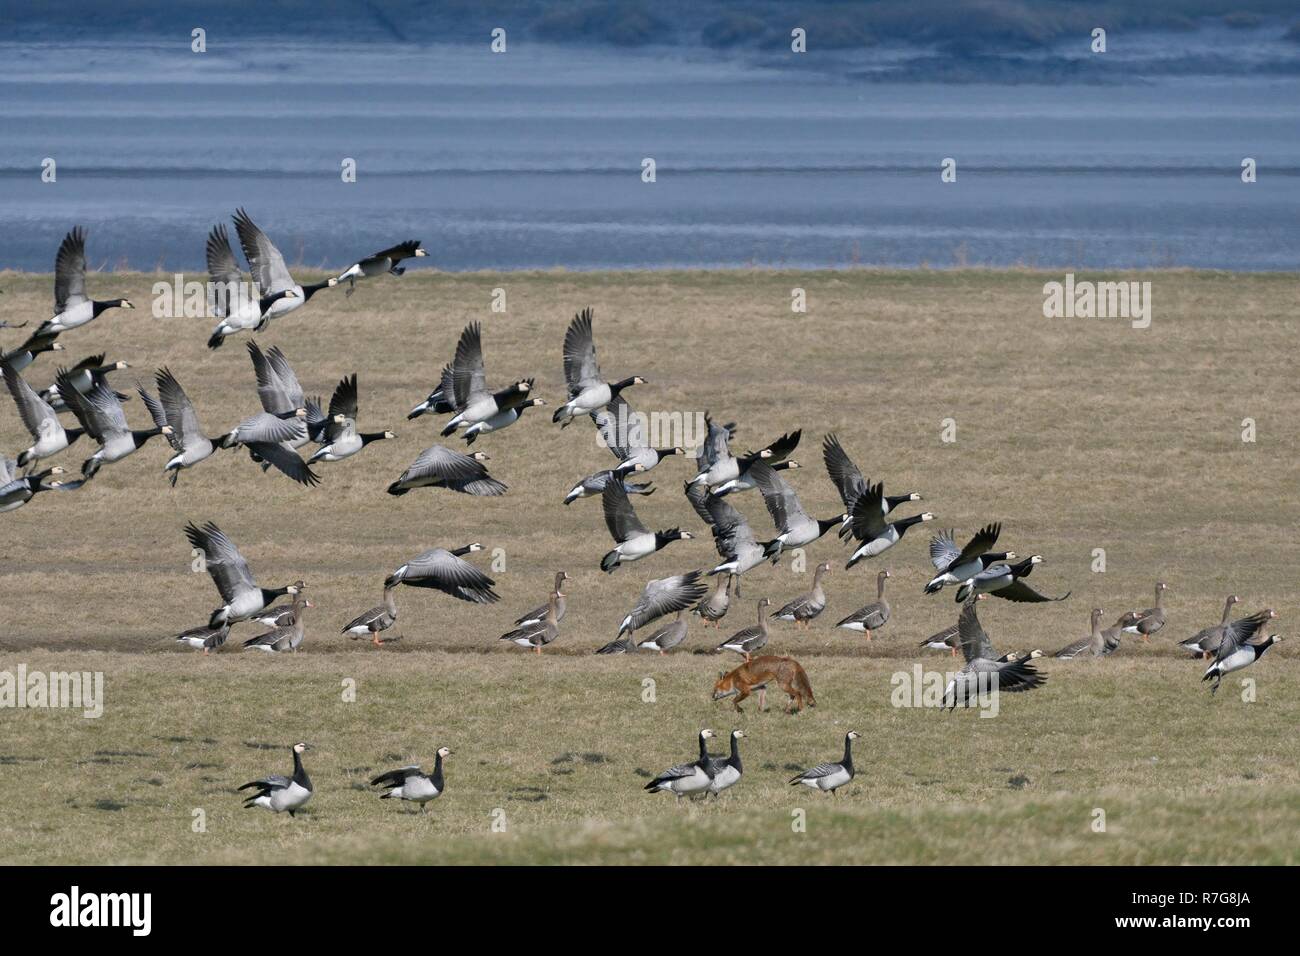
<point x="1076" y="434"/>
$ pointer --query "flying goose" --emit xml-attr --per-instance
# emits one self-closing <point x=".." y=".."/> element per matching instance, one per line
<point x="1153" y="618"/>
<point x="440" y="467"/>
<point x="1094" y="645"/>
<point x="280" y="392"/>
<point x="1007" y="581"/>
<point x="341" y="438"/>
<point x="227" y="296"/>
<point x="84" y="375"/>
<point x="16" y="491"/>
<point x="1235" y="653"/>
<point x="375" y="621"/>
<point x="663" y="596"/>
<point x="561" y="604"/>
<point x="280" y="794"/>
<point x="269" y="271"/>
<point x="749" y="640"/>
<point x="622" y="432"/>
<point x="500" y="420"/>
<point x="721" y="472"/>
<point x="776" y="455"/>
<point x="725" y="772"/>
<point x="806" y="607"/>
<point x="665" y="638"/>
<point x="39" y="419"/>
<point x="848" y="480"/>
<point x="875" y="615"/>
<point x="204" y="638"/>
<point x="449" y="572"/>
<point x="287" y="638"/>
<point x="829" y="777"/>
<point x="595" y="485"/>
<point x="686" y="778"/>
<point x="588" y="392"/>
<point x="983" y="673"/>
<point x="958" y="567"/>
<point x="473" y="401"/>
<point x="440" y="401"/>
<point x="383" y="262"/>
<point x="1199" y="643"/>
<point x="796" y="528"/>
<point x="72" y="308"/>
<point x="732" y="535"/>
<point x="36" y="344"/>
<point x="745" y="481"/>
<point x="410" y="783"/>
<point x="867" y="524"/>
<point x="1208" y="643"/>
<point x="229" y="571"/>
<point x="714" y="608"/>
<point x="101" y="415"/>
<point x="632" y="539"/>
<point x="285" y="423"/>
<point x="174" y="409"/>
<point x="538" y="635"/>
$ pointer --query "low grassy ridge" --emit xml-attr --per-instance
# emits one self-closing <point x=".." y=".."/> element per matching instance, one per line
<point x="1078" y="434"/>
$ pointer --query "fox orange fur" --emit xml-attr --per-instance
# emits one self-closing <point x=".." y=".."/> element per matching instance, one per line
<point x="754" y="675"/>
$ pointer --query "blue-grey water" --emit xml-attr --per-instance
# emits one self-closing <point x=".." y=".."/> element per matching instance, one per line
<point x="533" y="159"/>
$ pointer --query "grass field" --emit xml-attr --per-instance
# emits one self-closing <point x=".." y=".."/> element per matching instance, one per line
<point x="1077" y="434"/>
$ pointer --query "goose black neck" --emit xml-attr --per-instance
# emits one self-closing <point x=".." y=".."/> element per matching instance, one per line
<point x="616" y="387"/>
<point x="847" y="762"/>
<point x="735" y="753"/>
<point x="140" y="437"/>
<point x="704" y="747"/>
<point x="270" y="594"/>
<point x="267" y="301"/>
<point x="461" y="552"/>
<point x="98" y="307"/>
<point x="1022" y="568"/>
<point x="904" y="523"/>
<point x="310" y="290"/>
<point x="824" y="526"/>
<point x="300" y="773"/>
<point x="435" y="778"/>
<point x="664" y="537"/>
<point x="368" y="437"/>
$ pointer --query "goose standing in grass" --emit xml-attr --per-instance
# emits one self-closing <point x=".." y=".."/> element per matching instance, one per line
<point x="441" y="467"/>
<point x="595" y="484"/>
<point x="72" y="308"/>
<point x="867" y="524"/>
<point x="173" y="408"/>
<point x="227" y="298"/>
<point x="1094" y="645"/>
<point x="561" y="603"/>
<point x="18" y="359"/>
<point x="280" y="615"/>
<point x="776" y="456"/>
<point x="537" y="635"/>
<point x="686" y="778"/>
<point x="796" y="529"/>
<point x="748" y="641"/>
<point x="732" y="535"/>
<point x="633" y="540"/>
<point x="804" y="609"/>
<point x="84" y="376"/>
<point x="229" y="571"/>
<point x="1208" y="643"/>
<point x="1207" y="639"/>
<point x="410" y="783"/>
<point x="282" y="794"/>
<point x="588" y="391"/>
<point x="101" y="415"/>
<point x="875" y="615"/>
<point x="960" y="566"/>
<point x="341" y="438"/>
<point x="204" y="638"/>
<point x="1236" y="652"/>
<point x="714" y="608"/>
<point x="40" y="420"/>
<point x="725" y="772"/>
<point x="946" y="640"/>
<point x="269" y="271"/>
<point x="375" y="621"/>
<point x="1153" y="618"/>
<point x="287" y="638"/>
<point x="829" y="777"/>
<point x="660" y="597"/>
<point x="665" y="638"/>
<point x="848" y="480"/>
<point x="387" y="262"/>
<point x="983" y="673"/>
<point x="449" y="572"/>
<point x="1007" y="582"/>
<point x="16" y="491"/>
<point x="474" y="402"/>
<point x="622" y="432"/>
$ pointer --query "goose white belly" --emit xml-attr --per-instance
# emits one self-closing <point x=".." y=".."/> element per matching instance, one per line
<point x="876" y="546"/>
<point x="289" y="798"/>
<point x="1233" y="662"/>
<point x="831" y="781"/>
<point x="79" y="314"/>
<point x="419" y="789"/>
<point x="51" y="442"/>
<point x="728" y="776"/>
<point x="345" y="447"/>
<point x="286" y="305"/>
<point x="635" y="548"/>
<point x="697" y="781"/>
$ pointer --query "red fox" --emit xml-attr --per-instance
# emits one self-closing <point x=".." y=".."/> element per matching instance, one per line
<point x="754" y="675"/>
